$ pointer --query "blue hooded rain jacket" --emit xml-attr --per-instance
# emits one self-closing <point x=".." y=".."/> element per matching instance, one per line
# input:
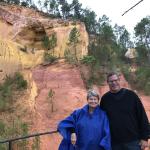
<point x="92" y="130"/>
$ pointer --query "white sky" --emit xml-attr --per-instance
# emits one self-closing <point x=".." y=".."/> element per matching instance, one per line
<point x="115" y="8"/>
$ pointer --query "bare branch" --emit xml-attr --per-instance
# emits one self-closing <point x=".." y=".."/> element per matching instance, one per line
<point x="132" y="7"/>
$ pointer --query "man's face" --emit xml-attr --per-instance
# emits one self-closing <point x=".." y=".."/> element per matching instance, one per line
<point x="114" y="83"/>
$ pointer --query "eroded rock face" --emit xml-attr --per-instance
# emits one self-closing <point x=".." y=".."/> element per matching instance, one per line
<point x="131" y="53"/>
<point x="12" y="59"/>
<point x="8" y="63"/>
<point x="25" y="30"/>
<point x="29" y="27"/>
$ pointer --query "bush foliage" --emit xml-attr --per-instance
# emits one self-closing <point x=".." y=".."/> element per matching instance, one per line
<point x="8" y="88"/>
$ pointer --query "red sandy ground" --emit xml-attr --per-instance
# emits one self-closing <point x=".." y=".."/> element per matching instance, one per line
<point x="70" y="93"/>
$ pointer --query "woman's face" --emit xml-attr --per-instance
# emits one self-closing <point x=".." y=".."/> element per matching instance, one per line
<point x="93" y="101"/>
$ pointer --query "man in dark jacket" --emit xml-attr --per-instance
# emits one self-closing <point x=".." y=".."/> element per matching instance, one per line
<point x="128" y="121"/>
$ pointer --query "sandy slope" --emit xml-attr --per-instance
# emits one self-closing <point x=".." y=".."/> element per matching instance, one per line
<point x="69" y="93"/>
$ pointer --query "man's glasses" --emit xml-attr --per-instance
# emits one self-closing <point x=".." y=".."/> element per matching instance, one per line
<point x="112" y="81"/>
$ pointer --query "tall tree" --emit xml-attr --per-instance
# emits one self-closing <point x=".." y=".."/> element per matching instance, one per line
<point x="105" y="30"/>
<point x="123" y="39"/>
<point x="65" y="8"/>
<point x="17" y="2"/>
<point x="89" y="18"/>
<point x="118" y="30"/>
<point x="50" y="42"/>
<point x="40" y="4"/>
<point x="46" y="2"/>
<point x="53" y="42"/>
<point x="26" y="3"/>
<point x="74" y="40"/>
<point x="142" y="33"/>
<point x="76" y="8"/>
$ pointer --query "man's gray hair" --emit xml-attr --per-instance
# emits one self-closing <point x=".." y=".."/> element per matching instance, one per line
<point x="91" y="93"/>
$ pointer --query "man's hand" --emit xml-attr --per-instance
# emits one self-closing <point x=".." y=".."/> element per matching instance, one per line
<point x="144" y="144"/>
<point x="73" y="138"/>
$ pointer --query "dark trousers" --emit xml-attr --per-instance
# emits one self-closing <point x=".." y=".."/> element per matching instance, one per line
<point x="127" y="146"/>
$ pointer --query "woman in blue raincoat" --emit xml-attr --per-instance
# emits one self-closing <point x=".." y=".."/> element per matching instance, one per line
<point x="86" y="128"/>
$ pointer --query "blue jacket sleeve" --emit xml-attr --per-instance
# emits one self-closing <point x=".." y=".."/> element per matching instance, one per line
<point x="106" y="140"/>
<point x="64" y="128"/>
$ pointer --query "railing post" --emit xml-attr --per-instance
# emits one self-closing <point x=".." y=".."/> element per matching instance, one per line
<point x="10" y="145"/>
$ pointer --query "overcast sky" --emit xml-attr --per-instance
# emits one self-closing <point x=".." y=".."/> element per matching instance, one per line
<point x="115" y="8"/>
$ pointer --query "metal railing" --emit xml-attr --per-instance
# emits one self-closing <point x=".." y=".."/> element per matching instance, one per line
<point x="10" y="141"/>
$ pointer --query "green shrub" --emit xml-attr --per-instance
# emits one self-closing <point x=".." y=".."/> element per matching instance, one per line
<point x="2" y="128"/>
<point x="95" y="80"/>
<point x="50" y="42"/>
<point x="70" y="57"/>
<point x="49" y="58"/>
<point x="147" y="88"/>
<point x="3" y="146"/>
<point x="51" y="93"/>
<point x="88" y="60"/>
<point x="143" y="79"/>
<point x="4" y="105"/>
<point x="46" y="42"/>
<point x="140" y="79"/>
<point x="90" y="82"/>
<point x="23" y="131"/>
<point x="8" y="88"/>
<point x="20" y="82"/>
<point x="11" y="129"/>
<point x="126" y="72"/>
<point x="36" y="143"/>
